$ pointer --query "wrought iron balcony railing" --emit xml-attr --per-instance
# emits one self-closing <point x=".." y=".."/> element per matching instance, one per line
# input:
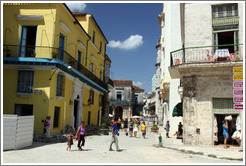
<point x="207" y="54"/>
<point x="50" y="52"/>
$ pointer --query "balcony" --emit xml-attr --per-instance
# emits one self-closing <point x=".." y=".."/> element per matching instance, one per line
<point x="221" y="21"/>
<point x="52" y="53"/>
<point x="207" y="54"/>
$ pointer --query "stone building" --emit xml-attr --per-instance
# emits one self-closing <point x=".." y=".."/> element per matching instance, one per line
<point x="126" y="99"/>
<point x="212" y="37"/>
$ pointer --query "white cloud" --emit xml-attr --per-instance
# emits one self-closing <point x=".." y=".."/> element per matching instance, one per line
<point x="132" y="42"/>
<point x="76" y="7"/>
<point x="138" y="83"/>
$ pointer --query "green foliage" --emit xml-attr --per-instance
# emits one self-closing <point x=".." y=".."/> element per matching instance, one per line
<point x="155" y="126"/>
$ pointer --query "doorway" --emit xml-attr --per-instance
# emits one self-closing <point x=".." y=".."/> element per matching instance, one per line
<point x="28" y="41"/>
<point x="118" y="112"/>
<point x="75" y="113"/>
<point x="231" y="130"/>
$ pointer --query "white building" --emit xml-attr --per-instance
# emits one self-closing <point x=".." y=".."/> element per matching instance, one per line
<point x="170" y="40"/>
<point x="205" y="44"/>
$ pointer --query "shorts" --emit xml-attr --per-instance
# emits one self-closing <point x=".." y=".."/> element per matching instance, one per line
<point x="130" y="129"/>
<point x="144" y="133"/>
<point x="135" y="129"/>
<point x="225" y="135"/>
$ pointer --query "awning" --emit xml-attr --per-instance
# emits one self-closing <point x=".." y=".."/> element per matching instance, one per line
<point x="178" y="110"/>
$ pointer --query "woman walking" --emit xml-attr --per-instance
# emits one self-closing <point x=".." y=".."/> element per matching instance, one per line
<point x="135" y="128"/>
<point x="81" y="135"/>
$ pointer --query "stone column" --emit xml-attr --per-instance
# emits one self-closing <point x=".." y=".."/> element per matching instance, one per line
<point x="189" y="111"/>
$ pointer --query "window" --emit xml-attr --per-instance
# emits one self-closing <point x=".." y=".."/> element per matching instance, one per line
<point x="93" y="37"/>
<point x="119" y="96"/>
<point x="225" y="11"/>
<point x="91" y="97"/>
<point x="23" y="109"/>
<point x="92" y="67"/>
<point x="89" y="118"/>
<point x="56" y="117"/>
<point x="100" y="46"/>
<point x="100" y="75"/>
<point x="100" y="100"/>
<point x="60" y="85"/>
<point x="25" y="82"/>
<point x="136" y="98"/>
<point x="79" y="60"/>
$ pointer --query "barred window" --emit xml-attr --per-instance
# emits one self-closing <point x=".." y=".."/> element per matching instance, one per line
<point x="225" y="11"/>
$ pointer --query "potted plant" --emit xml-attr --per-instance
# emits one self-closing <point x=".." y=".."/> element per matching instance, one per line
<point x="8" y="52"/>
<point x="54" y="54"/>
<point x="33" y="54"/>
<point x="154" y="128"/>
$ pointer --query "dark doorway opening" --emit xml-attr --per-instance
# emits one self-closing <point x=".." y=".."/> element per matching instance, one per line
<point x="226" y="38"/>
<point x="232" y="129"/>
<point x="75" y="113"/>
<point x="118" y="112"/>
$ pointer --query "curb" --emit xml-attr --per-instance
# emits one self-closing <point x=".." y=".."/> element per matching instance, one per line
<point x="200" y="153"/>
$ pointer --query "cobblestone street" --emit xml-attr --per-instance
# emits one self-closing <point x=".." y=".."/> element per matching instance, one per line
<point x="96" y="150"/>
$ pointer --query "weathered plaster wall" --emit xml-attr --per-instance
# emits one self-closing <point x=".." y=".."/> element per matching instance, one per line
<point x="201" y="85"/>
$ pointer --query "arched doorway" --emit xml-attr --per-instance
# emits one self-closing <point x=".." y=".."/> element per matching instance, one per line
<point x="118" y="112"/>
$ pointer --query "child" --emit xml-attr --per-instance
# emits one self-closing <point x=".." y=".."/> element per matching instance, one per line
<point x="70" y="141"/>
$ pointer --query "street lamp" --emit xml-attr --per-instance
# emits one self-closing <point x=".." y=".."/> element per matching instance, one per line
<point x="69" y="68"/>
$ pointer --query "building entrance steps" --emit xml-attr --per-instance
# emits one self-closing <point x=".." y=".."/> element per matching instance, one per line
<point x="216" y="151"/>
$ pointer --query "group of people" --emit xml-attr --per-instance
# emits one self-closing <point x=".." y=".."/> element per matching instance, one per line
<point x="133" y="129"/>
<point x="133" y="126"/>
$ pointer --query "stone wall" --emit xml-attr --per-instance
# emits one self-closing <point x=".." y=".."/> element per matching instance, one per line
<point x="201" y="85"/>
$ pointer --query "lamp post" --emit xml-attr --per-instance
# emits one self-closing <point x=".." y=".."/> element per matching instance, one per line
<point x="69" y="68"/>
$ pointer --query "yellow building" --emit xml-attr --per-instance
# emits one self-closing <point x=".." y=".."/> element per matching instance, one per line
<point x="51" y="66"/>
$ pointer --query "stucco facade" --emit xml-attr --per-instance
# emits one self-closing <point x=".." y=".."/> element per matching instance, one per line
<point x="207" y="80"/>
<point x="46" y="67"/>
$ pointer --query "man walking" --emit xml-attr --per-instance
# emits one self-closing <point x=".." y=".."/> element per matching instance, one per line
<point x="114" y="137"/>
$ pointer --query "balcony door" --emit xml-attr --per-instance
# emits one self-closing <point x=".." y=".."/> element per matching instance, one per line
<point x="28" y="41"/>
<point x="61" y="46"/>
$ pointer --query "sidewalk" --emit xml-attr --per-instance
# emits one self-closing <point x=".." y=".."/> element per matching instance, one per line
<point x="232" y="153"/>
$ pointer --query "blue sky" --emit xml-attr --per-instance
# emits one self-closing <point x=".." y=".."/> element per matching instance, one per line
<point x="132" y="31"/>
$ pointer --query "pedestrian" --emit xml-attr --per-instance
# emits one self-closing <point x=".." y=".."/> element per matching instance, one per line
<point x="131" y="127"/>
<point x="167" y="129"/>
<point x="225" y="132"/>
<point x="114" y="137"/>
<point x="144" y="129"/>
<point x="180" y="129"/>
<point x="135" y="128"/>
<point x="80" y="134"/>
<point x="70" y="141"/>
<point x="48" y="123"/>
<point x="122" y="126"/>
<point x="118" y="123"/>
<point x="126" y="124"/>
